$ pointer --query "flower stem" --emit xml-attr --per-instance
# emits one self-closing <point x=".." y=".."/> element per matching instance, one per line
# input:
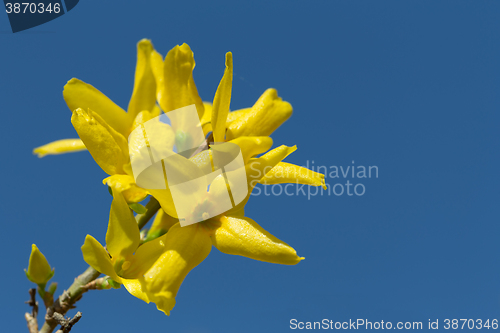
<point x="152" y="208"/>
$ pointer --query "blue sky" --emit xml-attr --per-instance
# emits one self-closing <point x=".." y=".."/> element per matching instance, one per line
<point x="411" y="87"/>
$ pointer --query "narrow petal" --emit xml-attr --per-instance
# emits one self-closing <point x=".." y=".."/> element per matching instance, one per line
<point x="134" y="287"/>
<point x="157" y="68"/>
<point x="267" y="114"/>
<point x="207" y="118"/>
<point x="145" y="257"/>
<point x="200" y="106"/>
<point x="244" y="237"/>
<point x="127" y="186"/>
<point x="108" y="147"/>
<point x="184" y="249"/>
<point x="176" y="85"/>
<point x="123" y="236"/>
<point x="144" y="93"/>
<point x="60" y="147"/>
<point x="143" y="117"/>
<point x="259" y="167"/>
<point x="253" y="145"/>
<point x="162" y="222"/>
<point x="148" y="143"/>
<point x="96" y="256"/>
<point x="206" y="121"/>
<point x="232" y="116"/>
<point x="203" y="160"/>
<point x="291" y="173"/>
<point x="156" y="111"/>
<point x="222" y="101"/>
<point x="79" y="94"/>
<point x="165" y="199"/>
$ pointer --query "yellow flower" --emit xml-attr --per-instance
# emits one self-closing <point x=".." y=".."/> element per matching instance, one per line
<point x="155" y="270"/>
<point x="39" y="270"/>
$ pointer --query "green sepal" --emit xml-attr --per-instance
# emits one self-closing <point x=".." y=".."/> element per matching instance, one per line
<point x="113" y="283"/>
<point x="52" y="288"/>
<point x="49" y="276"/>
<point x="138" y="208"/>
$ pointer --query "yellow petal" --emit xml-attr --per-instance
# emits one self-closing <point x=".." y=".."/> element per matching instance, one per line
<point x="108" y="147"/>
<point x="144" y="94"/>
<point x="134" y="287"/>
<point x="176" y="85"/>
<point x="232" y="116"/>
<point x="267" y="114"/>
<point x="166" y="201"/>
<point x="143" y="117"/>
<point x="206" y="121"/>
<point x="203" y="160"/>
<point x="253" y="145"/>
<point x="244" y="237"/>
<point x="200" y="106"/>
<point x="184" y="249"/>
<point x="162" y="222"/>
<point x="157" y="68"/>
<point x="207" y="118"/>
<point x="96" y="256"/>
<point x="222" y="101"/>
<point x="39" y="270"/>
<point x="259" y="167"/>
<point x="60" y="147"/>
<point x="156" y="111"/>
<point x="126" y="184"/>
<point x="123" y="236"/>
<point x="291" y="173"/>
<point x="149" y="143"/>
<point x="79" y="94"/>
<point x="145" y="257"/>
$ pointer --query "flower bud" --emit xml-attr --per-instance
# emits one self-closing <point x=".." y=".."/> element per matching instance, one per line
<point x="39" y="270"/>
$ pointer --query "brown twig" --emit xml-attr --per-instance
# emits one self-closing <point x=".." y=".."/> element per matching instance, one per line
<point x="31" y="317"/>
<point x="66" y="323"/>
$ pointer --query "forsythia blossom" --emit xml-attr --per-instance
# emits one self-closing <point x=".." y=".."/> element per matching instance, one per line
<point x="154" y="270"/>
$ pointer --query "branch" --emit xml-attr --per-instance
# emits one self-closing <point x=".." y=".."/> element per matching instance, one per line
<point x="67" y="300"/>
<point x="31" y="318"/>
<point x="66" y="323"/>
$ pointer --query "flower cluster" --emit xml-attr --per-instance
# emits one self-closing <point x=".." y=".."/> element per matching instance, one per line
<point x="153" y="266"/>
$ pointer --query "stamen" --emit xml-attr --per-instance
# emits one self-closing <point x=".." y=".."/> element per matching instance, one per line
<point x="126" y="265"/>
